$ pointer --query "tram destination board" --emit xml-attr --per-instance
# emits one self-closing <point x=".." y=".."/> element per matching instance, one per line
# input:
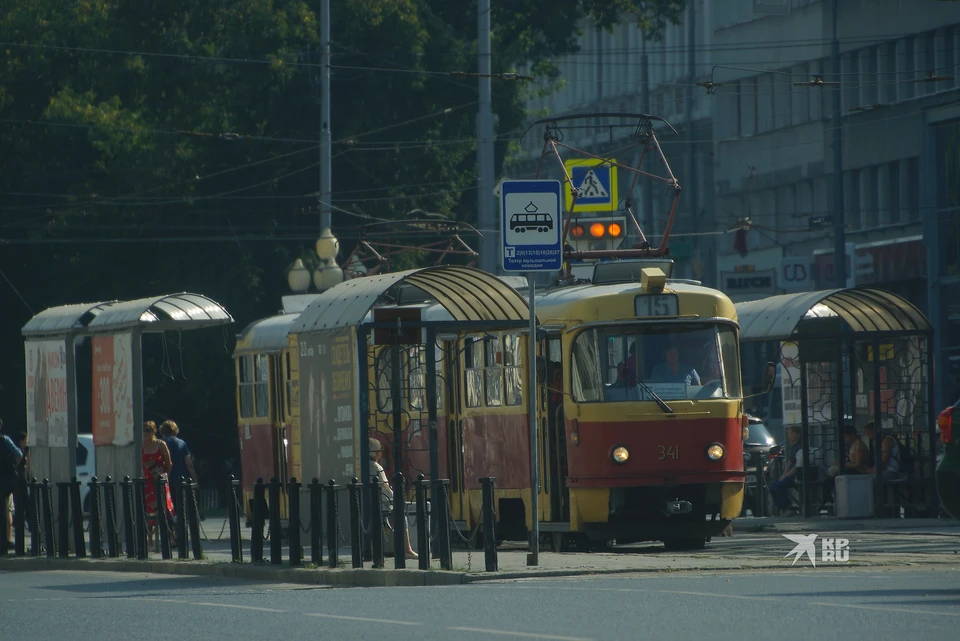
<point x="531" y="222"/>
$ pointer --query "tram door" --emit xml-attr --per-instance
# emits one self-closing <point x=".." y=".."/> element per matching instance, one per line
<point x="555" y="441"/>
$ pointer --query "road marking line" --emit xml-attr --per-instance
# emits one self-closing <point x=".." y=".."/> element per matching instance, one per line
<point x="529" y="635"/>
<point x="215" y="605"/>
<point x="723" y="596"/>
<point x="240" y="607"/>
<point x="885" y="609"/>
<point x="366" y="619"/>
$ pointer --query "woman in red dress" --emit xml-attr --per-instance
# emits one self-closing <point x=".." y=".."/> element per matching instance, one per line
<point x="155" y="459"/>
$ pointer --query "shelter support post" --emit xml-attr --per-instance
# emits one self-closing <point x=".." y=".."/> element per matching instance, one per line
<point x="805" y="426"/>
<point x="838" y="392"/>
<point x="878" y="495"/>
<point x="363" y="418"/>
<point x="534" y="557"/>
<point x="430" y="351"/>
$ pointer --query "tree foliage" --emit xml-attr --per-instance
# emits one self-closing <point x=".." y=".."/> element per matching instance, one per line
<point x="156" y="147"/>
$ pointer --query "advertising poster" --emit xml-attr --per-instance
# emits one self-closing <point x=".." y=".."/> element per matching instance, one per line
<point x="329" y="446"/>
<point x="112" y="390"/>
<point x="790" y="383"/>
<point x="46" y="384"/>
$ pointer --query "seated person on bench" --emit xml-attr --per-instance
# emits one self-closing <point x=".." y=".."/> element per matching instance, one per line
<point x="780" y="488"/>
<point x="889" y="456"/>
<point x="856" y="461"/>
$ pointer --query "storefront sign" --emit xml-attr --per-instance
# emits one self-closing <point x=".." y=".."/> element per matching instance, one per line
<point x="796" y="274"/>
<point x="764" y="282"/>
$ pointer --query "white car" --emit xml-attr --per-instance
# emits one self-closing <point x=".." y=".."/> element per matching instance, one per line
<point x="86" y="467"/>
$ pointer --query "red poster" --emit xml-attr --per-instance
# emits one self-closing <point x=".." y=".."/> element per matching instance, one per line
<point x="104" y="418"/>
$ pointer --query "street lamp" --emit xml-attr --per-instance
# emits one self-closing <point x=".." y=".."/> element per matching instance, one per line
<point x="329" y="273"/>
<point x="298" y="277"/>
<point x="327" y="245"/>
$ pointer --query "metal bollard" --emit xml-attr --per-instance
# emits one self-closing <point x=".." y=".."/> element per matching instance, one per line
<point x="236" y="547"/>
<point x="36" y="503"/>
<point x="140" y="517"/>
<point x="356" y="524"/>
<point x="316" y="528"/>
<point x="163" y="516"/>
<point x="47" y="507"/>
<point x="399" y="523"/>
<point x="76" y="509"/>
<point x="256" y="535"/>
<point x="4" y="542"/>
<point x="182" y="537"/>
<point x="293" y="527"/>
<point x="489" y="525"/>
<point x="443" y="523"/>
<point x="129" y="505"/>
<point x="761" y="499"/>
<point x="19" y="516"/>
<point x="193" y="520"/>
<point x="96" y="528"/>
<point x="63" y="519"/>
<point x="376" y="522"/>
<point x="423" y="524"/>
<point x="333" y="541"/>
<point x="110" y="510"/>
<point x="276" y="537"/>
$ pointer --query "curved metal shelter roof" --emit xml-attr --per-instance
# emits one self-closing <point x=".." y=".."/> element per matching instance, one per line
<point x="265" y="335"/>
<point x="469" y="294"/>
<point x="863" y="310"/>
<point x="64" y="318"/>
<point x="162" y="313"/>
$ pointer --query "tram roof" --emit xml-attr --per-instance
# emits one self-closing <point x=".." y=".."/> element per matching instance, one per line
<point x="267" y="335"/>
<point x="863" y="310"/>
<point x="565" y="300"/>
<point x="467" y="293"/>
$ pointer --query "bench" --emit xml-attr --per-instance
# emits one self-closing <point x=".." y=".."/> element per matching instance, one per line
<point x="907" y="494"/>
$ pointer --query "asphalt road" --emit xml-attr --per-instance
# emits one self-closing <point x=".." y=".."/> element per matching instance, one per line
<point x="844" y="603"/>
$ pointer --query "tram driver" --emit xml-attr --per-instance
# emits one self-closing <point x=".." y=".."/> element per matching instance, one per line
<point x="672" y="370"/>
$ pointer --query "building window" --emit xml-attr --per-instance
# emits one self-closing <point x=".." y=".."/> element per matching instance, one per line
<point x="814" y="95"/>
<point x="748" y="107"/>
<point x="851" y="198"/>
<point x="782" y="101"/>
<point x="910" y="192"/>
<point x="850" y="87"/>
<point x="764" y="103"/>
<point x="868" y="196"/>
<point x="869" y="76"/>
<point x="801" y="97"/>
<point x="893" y="193"/>
<point x="905" y="75"/>
<point x="887" y="62"/>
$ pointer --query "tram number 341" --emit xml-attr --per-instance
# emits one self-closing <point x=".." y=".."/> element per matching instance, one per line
<point x="668" y="451"/>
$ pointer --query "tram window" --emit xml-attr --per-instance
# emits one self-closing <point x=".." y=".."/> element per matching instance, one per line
<point x="512" y="374"/>
<point x="473" y="359"/>
<point x="731" y="361"/>
<point x="261" y="373"/>
<point x="416" y="377"/>
<point x="383" y="370"/>
<point x="676" y="361"/>
<point x="493" y="372"/>
<point x="289" y="384"/>
<point x="245" y="372"/>
<point x="438" y="360"/>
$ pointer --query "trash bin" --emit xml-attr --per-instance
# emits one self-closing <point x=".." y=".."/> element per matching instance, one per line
<point x="412" y="523"/>
<point x="854" y="496"/>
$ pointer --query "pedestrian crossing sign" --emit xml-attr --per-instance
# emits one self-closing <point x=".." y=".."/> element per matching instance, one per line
<point x="596" y="181"/>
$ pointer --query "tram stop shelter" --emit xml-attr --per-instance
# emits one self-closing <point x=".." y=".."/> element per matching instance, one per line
<point x="848" y="356"/>
<point x="115" y="329"/>
<point x="396" y="322"/>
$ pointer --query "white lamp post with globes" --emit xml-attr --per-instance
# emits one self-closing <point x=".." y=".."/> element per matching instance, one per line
<point x="327" y="274"/>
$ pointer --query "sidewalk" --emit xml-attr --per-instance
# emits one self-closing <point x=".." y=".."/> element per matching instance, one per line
<point x="835" y="524"/>
<point x="469" y="567"/>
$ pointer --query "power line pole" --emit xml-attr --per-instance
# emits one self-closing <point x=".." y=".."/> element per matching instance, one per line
<point x="485" y="213"/>
<point x="840" y="250"/>
<point x="647" y="184"/>
<point x="691" y="179"/>
<point x="326" y="139"/>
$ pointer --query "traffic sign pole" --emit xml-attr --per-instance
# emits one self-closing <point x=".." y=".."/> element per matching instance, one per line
<point x="531" y="236"/>
<point x="534" y="557"/>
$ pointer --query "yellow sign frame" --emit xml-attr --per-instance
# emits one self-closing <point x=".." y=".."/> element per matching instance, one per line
<point x="612" y="205"/>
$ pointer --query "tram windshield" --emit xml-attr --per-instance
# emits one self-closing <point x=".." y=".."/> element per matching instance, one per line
<point x="675" y="362"/>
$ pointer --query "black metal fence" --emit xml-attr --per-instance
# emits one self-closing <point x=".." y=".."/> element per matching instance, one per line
<point x="128" y="525"/>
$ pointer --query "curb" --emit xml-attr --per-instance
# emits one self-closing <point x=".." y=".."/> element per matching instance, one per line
<point x="369" y="577"/>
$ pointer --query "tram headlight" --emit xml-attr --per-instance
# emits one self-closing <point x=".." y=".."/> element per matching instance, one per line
<point x="620" y="454"/>
<point x="715" y="452"/>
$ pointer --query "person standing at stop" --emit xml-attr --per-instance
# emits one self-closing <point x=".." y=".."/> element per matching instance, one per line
<point x="180" y="458"/>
